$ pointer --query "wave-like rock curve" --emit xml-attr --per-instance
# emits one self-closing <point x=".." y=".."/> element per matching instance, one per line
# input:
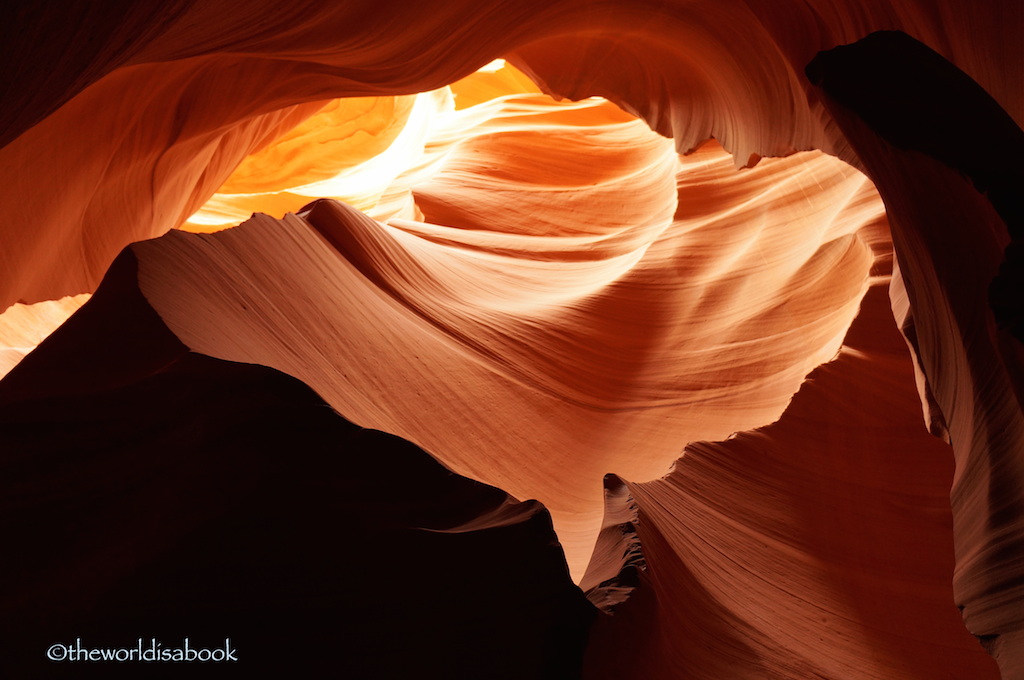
<point x="603" y="304"/>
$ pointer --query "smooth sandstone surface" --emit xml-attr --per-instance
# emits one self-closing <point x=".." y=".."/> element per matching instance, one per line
<point x="540" y="293"/>
<point x="563" y="356"/>
<point x="259" y="516"/>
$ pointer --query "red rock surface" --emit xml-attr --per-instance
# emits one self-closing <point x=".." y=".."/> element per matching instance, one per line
<point x="761" y="550"/>
<point x="257" y="514"/>
<point x="540" y="293"/>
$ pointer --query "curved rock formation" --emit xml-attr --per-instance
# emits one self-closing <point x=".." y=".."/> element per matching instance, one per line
<point x="948" y="192"/>
<point x="539" y="294"/>
<point x="259" y="515"/>
<point x="761" y="550"/>
<point x="593" y="330"/>
<point x="238" y="81"/>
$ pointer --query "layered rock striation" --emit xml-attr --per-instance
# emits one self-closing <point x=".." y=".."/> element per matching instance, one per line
<point x="683" y="372"/>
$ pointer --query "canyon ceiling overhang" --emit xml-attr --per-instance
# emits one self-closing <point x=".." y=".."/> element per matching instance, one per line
<point x="556" y="304"/>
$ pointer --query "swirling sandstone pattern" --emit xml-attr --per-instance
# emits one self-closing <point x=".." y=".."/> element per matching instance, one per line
<point x="539" y="293"/>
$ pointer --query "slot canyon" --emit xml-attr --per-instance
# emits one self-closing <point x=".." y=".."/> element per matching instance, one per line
<point x="568" y="340"/>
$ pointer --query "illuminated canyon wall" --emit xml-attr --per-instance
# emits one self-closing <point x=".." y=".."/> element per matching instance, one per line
<point x="678" y="342"/>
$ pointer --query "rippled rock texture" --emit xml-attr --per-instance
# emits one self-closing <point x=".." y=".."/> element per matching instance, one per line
<point x="584" y="362"/>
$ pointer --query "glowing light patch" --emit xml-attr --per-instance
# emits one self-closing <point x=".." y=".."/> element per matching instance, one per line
<point x="422" y="132"/>
<point x="492" y="67"/>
